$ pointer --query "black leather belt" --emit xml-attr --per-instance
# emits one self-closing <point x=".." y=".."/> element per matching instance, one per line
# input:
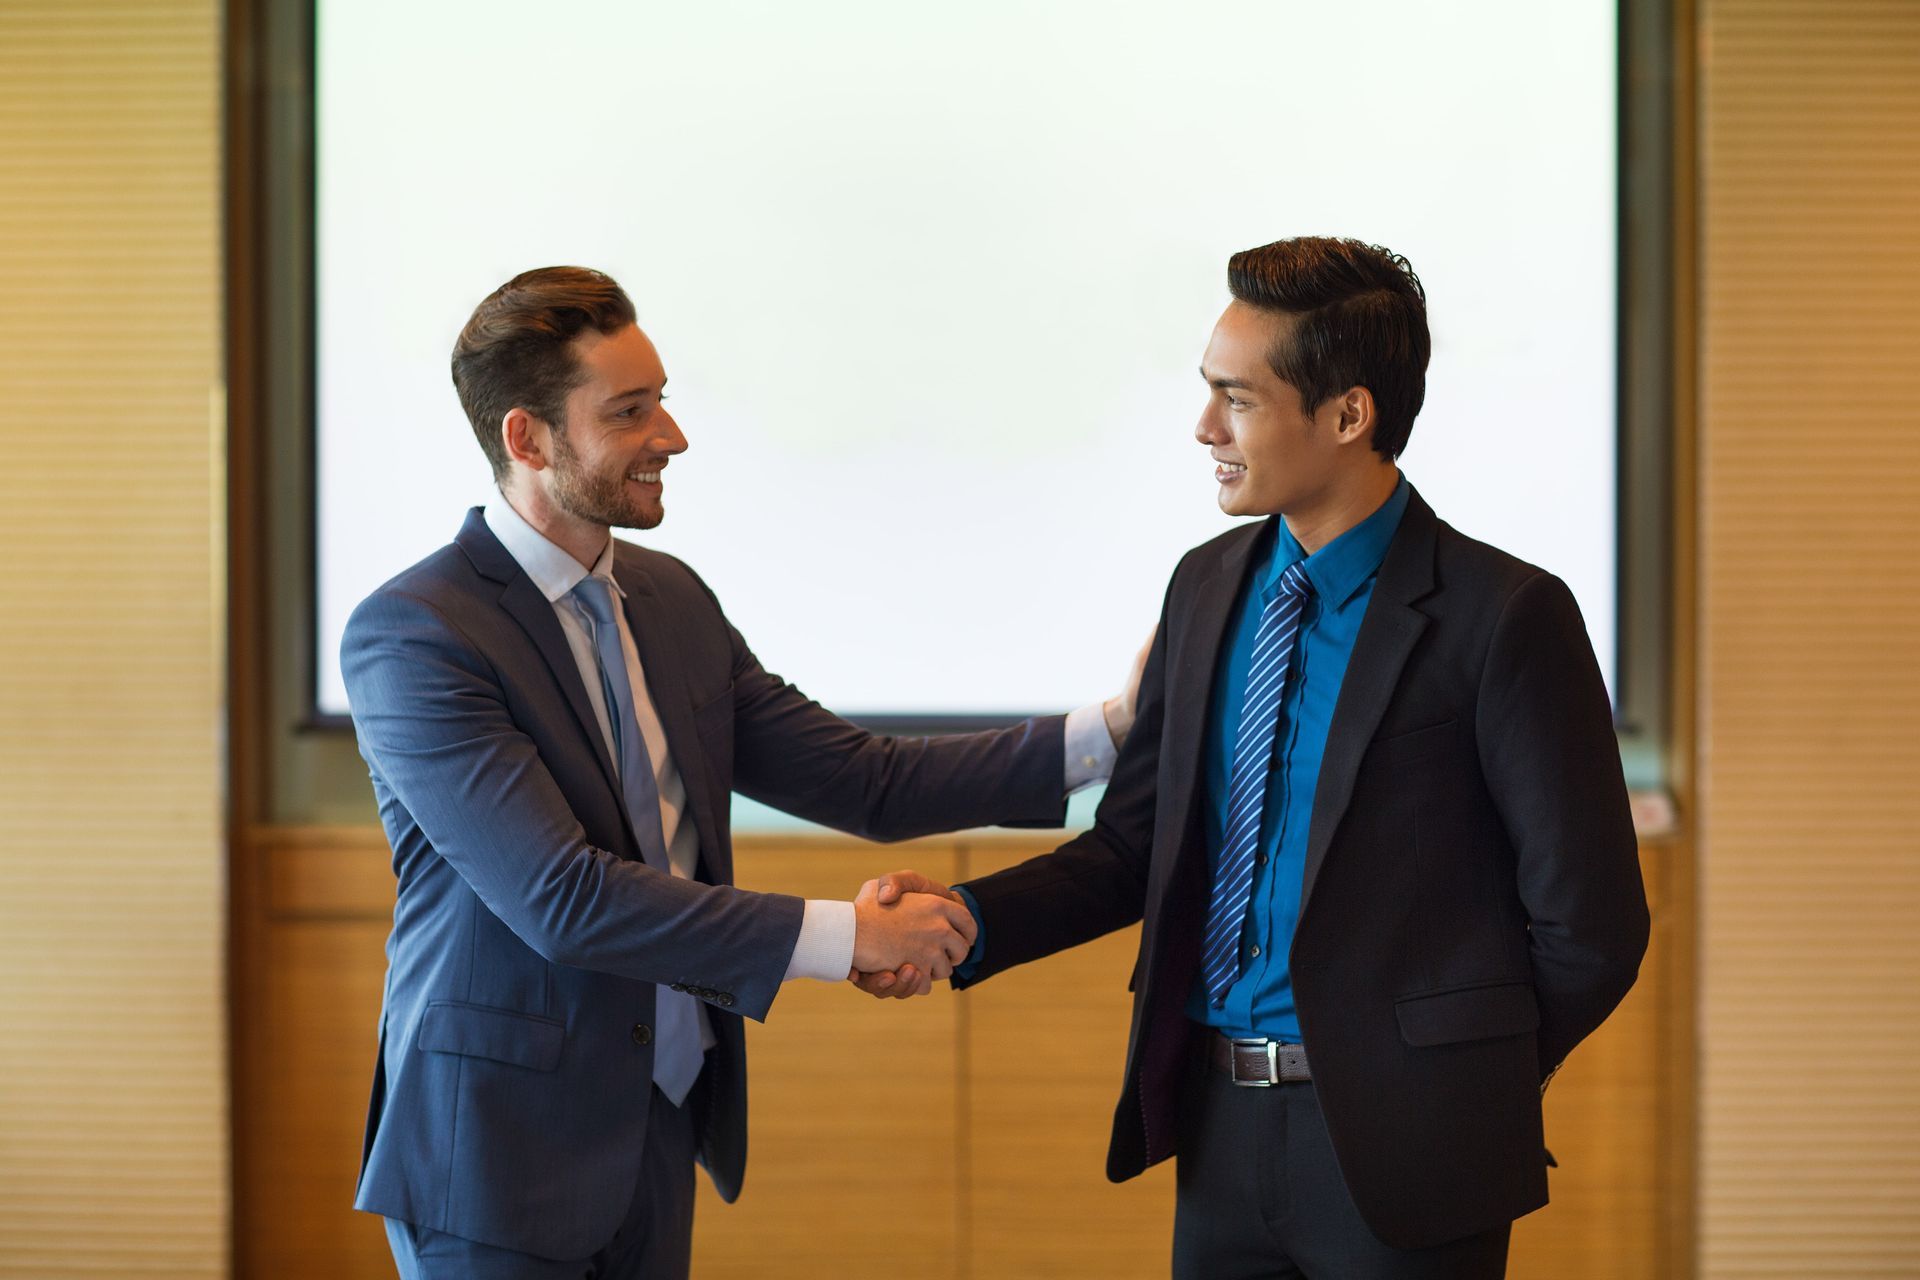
<point x="1258" y="1063"/>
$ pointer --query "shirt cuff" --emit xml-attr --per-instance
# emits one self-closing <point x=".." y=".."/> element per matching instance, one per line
<point x="825" y="948"/>
<point x="1090" y="749"/>
<point x="971" y="965"/>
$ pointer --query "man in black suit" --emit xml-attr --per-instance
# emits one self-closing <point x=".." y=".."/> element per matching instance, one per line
<point x="1371" y="812"/>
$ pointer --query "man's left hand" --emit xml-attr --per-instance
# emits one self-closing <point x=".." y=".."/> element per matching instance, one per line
<point x="1118" y="710"/>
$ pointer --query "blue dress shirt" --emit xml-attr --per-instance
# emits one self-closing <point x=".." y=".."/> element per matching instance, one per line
<point x="1260" y="1002"/>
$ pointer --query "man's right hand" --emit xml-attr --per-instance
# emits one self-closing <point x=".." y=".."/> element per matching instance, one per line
<point x="931" y="933"/>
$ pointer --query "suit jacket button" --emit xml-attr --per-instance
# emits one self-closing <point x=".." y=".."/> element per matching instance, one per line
<point x="726" y="1000"/>
<point x="642" y="1033"/>
<point x="678" y="986"/>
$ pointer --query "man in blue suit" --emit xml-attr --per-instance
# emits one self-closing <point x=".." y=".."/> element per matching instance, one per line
<point x="553" y="720"/>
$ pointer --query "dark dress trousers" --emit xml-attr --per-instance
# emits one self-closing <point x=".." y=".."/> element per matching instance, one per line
<point x="513" y="1086"/>
<point x="1472" y="905"/>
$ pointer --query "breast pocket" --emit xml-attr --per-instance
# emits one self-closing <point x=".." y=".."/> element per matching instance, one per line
<point x="713" y="723"/>
<point x="1420" y="744"/>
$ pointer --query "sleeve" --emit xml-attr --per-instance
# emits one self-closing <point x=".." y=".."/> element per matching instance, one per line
<point x="966" y="969"/>
<point x="1552" y="765"/>
<point x="1090" y="749"/>
<point x="795" y="755"/>
<point x="824" y="949"/>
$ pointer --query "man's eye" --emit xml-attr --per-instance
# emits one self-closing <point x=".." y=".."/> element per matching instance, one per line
<point x="638" y="410"/>
<point x="1238" y="404"/>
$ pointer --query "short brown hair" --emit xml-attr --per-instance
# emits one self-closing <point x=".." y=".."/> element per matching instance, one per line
<point x="1360" y="320"/>
<point x="515" y="350"/>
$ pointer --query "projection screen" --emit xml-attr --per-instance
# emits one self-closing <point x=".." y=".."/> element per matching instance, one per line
<point x="931" y="285"/>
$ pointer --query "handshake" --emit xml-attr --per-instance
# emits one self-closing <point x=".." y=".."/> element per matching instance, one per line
<point x="909" y="932"/>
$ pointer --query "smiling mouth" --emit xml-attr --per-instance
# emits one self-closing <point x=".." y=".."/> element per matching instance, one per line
<point x="1225" y="469"/>
<point x="644" y="477"/>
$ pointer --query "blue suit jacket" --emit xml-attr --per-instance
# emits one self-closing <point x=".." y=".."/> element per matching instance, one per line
<point x="510" y="1100"/>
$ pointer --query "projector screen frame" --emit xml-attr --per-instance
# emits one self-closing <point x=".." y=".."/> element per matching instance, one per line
<point x="275" y="246"/>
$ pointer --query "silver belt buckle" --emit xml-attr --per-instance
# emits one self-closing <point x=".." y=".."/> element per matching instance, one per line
<point x="1273" y="1063"/>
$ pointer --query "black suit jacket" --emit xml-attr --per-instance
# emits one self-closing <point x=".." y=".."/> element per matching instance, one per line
<point x="1472" y="905"/>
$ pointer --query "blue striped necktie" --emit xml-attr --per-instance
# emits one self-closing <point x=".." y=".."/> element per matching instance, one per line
<point x="1221" y="953"/>
<point x="677" y="1055"/>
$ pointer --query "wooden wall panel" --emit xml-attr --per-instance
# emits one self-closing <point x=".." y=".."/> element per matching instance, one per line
<point x="853" y="1106"/>
<point x="1810" y="715"/>
<point x="306" y="1019"/>
<point x="112" y="1062"/>
<point x="1607" y="1120"/>
<point x="977" y="1121"/>
<point x="318" y="1024"/>
<point x="1047" y="1044"/>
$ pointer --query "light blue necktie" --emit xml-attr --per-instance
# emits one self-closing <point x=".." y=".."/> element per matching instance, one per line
<point x="677" y="1055"/>
<point x="1221" y="953"/>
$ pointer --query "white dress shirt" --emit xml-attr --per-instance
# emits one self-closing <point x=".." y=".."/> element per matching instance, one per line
<point x="825" y="947"/>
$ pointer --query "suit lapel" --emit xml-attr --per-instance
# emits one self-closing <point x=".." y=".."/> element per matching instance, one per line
<point x="1387" y="636"/>
<point x="1194" y="652"/>
<point x="525" y="604"/>
<point x="665" y="672"/>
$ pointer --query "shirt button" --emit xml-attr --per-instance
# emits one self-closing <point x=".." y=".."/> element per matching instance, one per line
<point x="642" y="1033"/>
<point x="1256" y="951"/>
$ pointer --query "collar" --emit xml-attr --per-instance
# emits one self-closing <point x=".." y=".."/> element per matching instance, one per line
<point x="1343" y="566"/>
<point x="553" y="570"/>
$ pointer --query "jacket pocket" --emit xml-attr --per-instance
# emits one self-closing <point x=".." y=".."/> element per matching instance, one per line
<point x="1480" y="1012"/>
<point x="478" y="1031"/>
<point x="713" y="704"/>
<point x="1405" y="747"/>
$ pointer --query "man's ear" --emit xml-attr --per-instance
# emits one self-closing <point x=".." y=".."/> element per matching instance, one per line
<point x="528" y="439"/>
<point x="1357" y="417"/>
